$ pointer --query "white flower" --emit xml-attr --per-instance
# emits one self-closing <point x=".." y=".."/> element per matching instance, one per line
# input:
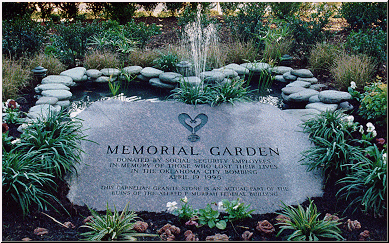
<point x="185" y="199"/>
<point x="374" y="133"/>
<point x="236" y="207"/>
<point x="384" y="158"/>
<point x="349" y="120"/>
<point x="171" y="206"/>
<point x="353" y="85"/>
<point x="220" y="206"/>
<point x="16" y="141"/>
<point x="370" y="127"/>
<point x="361" y="129"/>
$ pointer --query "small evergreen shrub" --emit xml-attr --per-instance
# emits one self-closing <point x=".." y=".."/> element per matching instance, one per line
<point x="322" y="57"/>
<point x="99" y="59"/>
<point x="22" y="37"/>
<point x="372" y="42"/>
<point x="364" y="14"/>
<point x="167" y="62"/>
<point x="352" y="68"/>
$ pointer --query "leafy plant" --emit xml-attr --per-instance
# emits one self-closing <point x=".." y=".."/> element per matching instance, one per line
<point x="22" y="37"/>
<point x="364" y="15"/>
<point x="352" y="68"/>
<point x="374" y="103"/>
<point x="114" y="87"/>
<point x="366" y="184"/>
<point x="193" y="94"/>
<point x="372" y="42"/>
<point x="54" y="142"/>
<point x="186" y="212"/>
<point x="112" y="226"/>
<point x="209" y="216"/>
<point x="331" y="156"/>
<point x="236" y="210"/>
<point x="231" y="92"/>
<point x="329" y="125"/>
<point x="167" y="62"/>
<point x="142" y="32"/>
<point x="25" y="183"/>
<point x="306" y="224"/>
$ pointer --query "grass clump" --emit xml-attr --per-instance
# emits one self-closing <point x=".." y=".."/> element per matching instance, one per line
<point x="238" y="52"/>
<point x="99" y="59"/>
<point x="306" y="224"/>
<point x="348" y="68"/>
<point x="53" y="65"/>
<point x="231" y="92"/>
<point x="143" y="58"/>
<point x="322" y="56"/>
<point x="193" y="94"/>
<point x="112" y="226"/>
<point x="16" y="76"/>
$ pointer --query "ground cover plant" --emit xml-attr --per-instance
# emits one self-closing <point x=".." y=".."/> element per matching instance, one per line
<point x="359" y="182"/>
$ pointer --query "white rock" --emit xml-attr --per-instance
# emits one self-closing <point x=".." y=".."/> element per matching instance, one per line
<point x="299" y="83"/>
<point x="110" y="71"/>
<point x="60" y="94"/>
<point x="310" y="80"/>
<point x="76" y="73"/>
<point x="238" y="68"/>
<point x="41" y="87"/>
<point x="334" y="96"/>
<point x="150" y="72"/>
<point x="47" y="100"/>
<point x="322" y="106"/>
<point x="303" y="73"/>
<point x="61" y="79"/>
<point x="281" y="70"/>
<point x="256" y="66"/>
<point x="93" y="73"/>
<point x="132" y="70"/>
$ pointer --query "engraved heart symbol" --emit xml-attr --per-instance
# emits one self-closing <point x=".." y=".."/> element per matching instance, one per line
<point x="193" y="125"/>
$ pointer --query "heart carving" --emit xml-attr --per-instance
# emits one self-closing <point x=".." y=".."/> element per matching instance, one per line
<point x="193" y="125"/>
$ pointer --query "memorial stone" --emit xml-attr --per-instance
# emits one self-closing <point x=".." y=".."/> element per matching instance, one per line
<point x="150" y="153"/>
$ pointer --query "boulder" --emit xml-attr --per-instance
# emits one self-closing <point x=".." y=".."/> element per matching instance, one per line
<point x="289" y="77"/>
<point x="142" y="78"/>
<point x="292" y="89"/>
<point x="110" y="71"/>
<point x="42" y="87"/>
<point x="299" y="84"/>
<point x="322" y="106"/>
<point x="132" y="70"/>
<point x="280" y="70"/>
<point x="63" y="103"/>
<point x="280" y="78"/>
<point x="212" y="77"/>
<point x="150" y="72"/>
<point x="170" y="77"/>
<point x="303" y="73"/>
<point x="46" y="100"/>
<point x="76" y="73"/>
<point x="302" y="96"/>
<point x="192" y="80"/>
<point x="334" y="96"/>
<point x="41" y="111"/>
<point x="238" y="68"/>
<point x="105" y="79"/>
<point x="93" y="73"/>
<point x="229" y="73"/>
<point x="60" y="94"/>
<point x="314" y="99"/>
<point x="345" y="105"/>
<point x="61" y="79"/>
<point x="310" y="80"/>
<point x="256" y="67"/>
<point x="156" y="82"/>
<point x="318" y="86"/>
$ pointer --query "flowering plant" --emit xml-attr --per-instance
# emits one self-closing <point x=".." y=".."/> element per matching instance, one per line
<point x="209" y="216"/>
<point x="186" y="212"/>
<point x="11" y="111"/>
<point x="370" y="132"/>
<point x="236" y="210"/>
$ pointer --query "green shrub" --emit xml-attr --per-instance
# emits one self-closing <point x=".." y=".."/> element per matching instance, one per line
<point x="371" y="42"/>
<point x="284" y="10"/>
<point x="228" y="8"/>
<point x="210" y="217"/>
<point x="167" y="62"/>
<point x="366" y="184"/>
<point x="121" y="12"/>
<point x="99" y="59"/>
<point x="25" y="183"/>
<point x="306" y="224"/>
<point x="112" y="226"/>
<point x="322" y="56"/>
<point x="22" y="37"/>
<point x="190" y="14"/>
<point x="236" y="210"/>
<point x="54" y="142"/>
<point x="53" y="65"/>
<point x="248" y="22"/>
<point x="374" y="103"/>
<point x="352" y="68"/>
<point x="142" y="32"/>
<point x="364" y="14"/>
<point x="15" y="77"/>
<point x="71" y="39"/>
